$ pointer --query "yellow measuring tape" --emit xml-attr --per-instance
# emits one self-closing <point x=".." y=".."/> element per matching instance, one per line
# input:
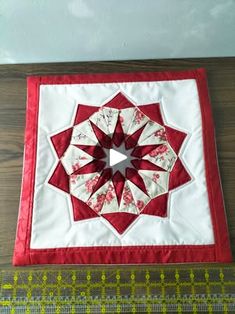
<point x="130" y="289"/>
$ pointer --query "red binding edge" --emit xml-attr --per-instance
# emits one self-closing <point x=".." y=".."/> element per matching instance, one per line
<point x="218" y="252"/>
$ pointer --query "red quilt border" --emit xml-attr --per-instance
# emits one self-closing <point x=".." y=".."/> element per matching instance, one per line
<point x="218" y="252"/>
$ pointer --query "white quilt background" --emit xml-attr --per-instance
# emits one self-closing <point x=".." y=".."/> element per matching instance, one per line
<point x="188" y="220"/>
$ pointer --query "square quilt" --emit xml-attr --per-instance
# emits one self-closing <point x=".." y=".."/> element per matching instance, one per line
<point x="118" y="169"/>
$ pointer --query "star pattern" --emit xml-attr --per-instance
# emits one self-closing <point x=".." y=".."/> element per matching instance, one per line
<point x="142" y="187"/>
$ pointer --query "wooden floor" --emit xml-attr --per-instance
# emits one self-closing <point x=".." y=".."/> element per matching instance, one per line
<point x="221" y="81"/>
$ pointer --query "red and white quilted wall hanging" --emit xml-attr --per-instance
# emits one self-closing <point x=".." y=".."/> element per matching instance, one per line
<point x="118" y="169"/>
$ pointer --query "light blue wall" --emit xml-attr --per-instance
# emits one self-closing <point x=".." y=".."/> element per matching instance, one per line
<point x="77" y="30"/>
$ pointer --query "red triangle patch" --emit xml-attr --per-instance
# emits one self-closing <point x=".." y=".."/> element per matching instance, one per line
<point x="103" y="138"/>
<point x="153" y="112"/>
<point x="118" y="136"/>
<point x="140" y="151"/>
<point x="119" y="102"/>
<point x="105" y="176"/>
<point x="84" y="112"/>
<point x="60" y="178"/>
<point x="120" y="221"/>
<point x="133" y="176"/>
<point x="94" y="166"/>
<point x="131" y="140"/>
<point x="61" y="141"/>
<point x="118" y="182"/>
<point x="157" y="206"/>
<point x="175" y="138"/>
<point x="81" y="210"/>
<point x="178" y="175"/>
<point x="95" y="151"/>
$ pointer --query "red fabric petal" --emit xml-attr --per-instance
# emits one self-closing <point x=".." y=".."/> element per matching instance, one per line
<point x="84" y="112"/>
<point x="61" y="141"/>
<point x="175" y="138"/>
<point x="106" y="175"/>
<point x="120" y="221"/>
<point x="178" y="175"/>
<point x="118" y="182"/>
<point x="118" y="136"/>
<point x="157" y="206"/>
<point x="133" y="175"/>
<point x="94" y="166"/>
<point x="60" y="178"/>
<point x="81" y="210"/>
<point x="153" y="112"/>
<point x="145" y="165"/>
<point x="131" y="140"/>
<point x="94" y="151"/>
<point x="103" y="138"/>
<point x="119" y="102"/>
<point x="141" y="151"/>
